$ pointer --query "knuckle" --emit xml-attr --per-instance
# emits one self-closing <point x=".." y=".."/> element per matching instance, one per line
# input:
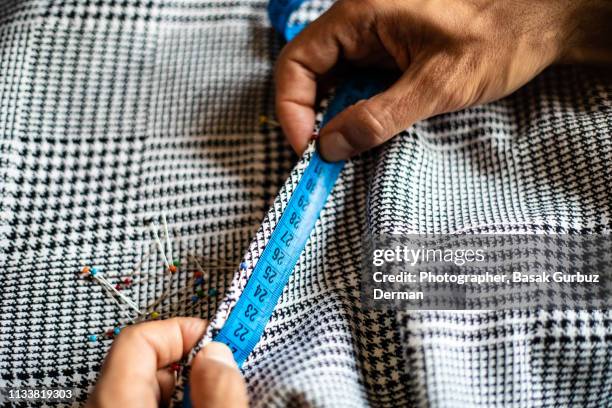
<point x="371" y="122"/>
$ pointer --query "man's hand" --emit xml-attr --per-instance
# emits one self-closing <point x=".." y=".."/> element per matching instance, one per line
<point x="449" y="54"/>
<point x="136" y="374"/>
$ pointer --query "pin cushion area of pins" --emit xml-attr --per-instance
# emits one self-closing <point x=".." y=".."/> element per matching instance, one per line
<point x="94" y="273"/>
<point x="119" y="289"/>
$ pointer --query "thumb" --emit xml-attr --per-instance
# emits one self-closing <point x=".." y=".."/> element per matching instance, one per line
<point x="215" y="379"/>
<point x="371" y="122"/>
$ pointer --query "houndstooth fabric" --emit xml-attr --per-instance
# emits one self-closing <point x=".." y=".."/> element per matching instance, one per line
<point x="308" y="11"/>
<point x="112" y="113"/>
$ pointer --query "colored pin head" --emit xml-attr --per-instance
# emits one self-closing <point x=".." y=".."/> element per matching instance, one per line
<point x="116" y="331"/>
<point x="263" y="119"/>
<point x="243" y="266"/>
<point x="212" y="292"/>
<point x="92" y="338"/>
<point x="154" y="315"/>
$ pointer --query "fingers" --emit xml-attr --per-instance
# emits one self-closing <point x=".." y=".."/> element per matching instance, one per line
<point x="166" y="380"/>
<point x="215" y="379"/>
<point x="130" y="373"/>
<point x="372" y="122"/>
<point x="313" y="53"/>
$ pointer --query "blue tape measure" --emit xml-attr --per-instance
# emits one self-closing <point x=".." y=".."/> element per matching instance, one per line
<point x="248" y="318"/>
<point x="279" y="12"/>
<point x="251" y="313"/>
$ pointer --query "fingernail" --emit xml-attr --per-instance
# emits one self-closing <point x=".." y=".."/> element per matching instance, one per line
<point x="334" y="147"/>
<point x="220" y="353"/>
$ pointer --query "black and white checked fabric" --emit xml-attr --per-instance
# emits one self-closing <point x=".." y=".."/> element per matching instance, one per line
<point x="113" y="112"/>
<point x="309" y="11"/>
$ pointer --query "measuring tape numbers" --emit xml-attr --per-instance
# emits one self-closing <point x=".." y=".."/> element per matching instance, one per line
<point x="249" y="316"/>
<point x="247" y="320"/>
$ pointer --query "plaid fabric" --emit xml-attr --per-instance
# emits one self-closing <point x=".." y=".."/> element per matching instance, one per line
<point x="111" y="113"/>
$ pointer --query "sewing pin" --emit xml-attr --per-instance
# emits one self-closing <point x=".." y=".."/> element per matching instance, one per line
<point x="263" y="119"/>
<point x="160" y="246"/>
